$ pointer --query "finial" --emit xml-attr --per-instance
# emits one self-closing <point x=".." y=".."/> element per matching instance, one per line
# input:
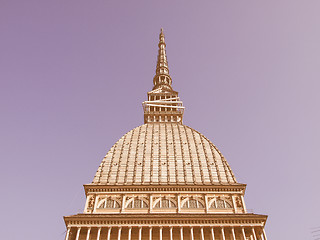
<point x="161" y="37"/>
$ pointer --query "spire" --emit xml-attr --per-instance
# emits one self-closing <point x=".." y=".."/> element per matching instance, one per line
<point x="163" y="104"/>
<point x="162" y="78"/>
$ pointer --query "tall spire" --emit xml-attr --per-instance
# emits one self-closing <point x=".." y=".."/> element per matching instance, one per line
<point x="162" y="79"/>
<point x="163" y="104"/>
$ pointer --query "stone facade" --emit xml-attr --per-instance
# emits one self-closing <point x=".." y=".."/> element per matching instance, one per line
<point x="164" y="180"/>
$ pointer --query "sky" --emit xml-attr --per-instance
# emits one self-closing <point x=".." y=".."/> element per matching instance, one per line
<point x="73" y="74"/>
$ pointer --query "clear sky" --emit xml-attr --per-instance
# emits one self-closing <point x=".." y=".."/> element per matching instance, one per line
<point x="73" y="74"/>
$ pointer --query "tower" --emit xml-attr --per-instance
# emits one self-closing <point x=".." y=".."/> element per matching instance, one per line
<point x="164" y="180"/>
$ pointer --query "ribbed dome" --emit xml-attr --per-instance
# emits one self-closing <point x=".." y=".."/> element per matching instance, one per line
<point x="164" y="154"/>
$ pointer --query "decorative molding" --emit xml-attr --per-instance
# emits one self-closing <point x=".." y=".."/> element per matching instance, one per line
<point x="167" y="220"/>
<point x="158" y="202"/>
<point x="91" y="188"/>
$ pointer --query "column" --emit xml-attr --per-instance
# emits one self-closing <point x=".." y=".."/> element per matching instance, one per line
<point x="150" y="233"/>
<point x="264" y="234"/>
<point x="99" y="232"/>
<point x="212" y="233"/>
<point x="181" y="233"/>
<point x="119" y="233"/>
<point x="254" y="233"/>
<point x="78" y="233"/>
<point x="243" y="204"/>
<point x="88" y="233"/>
<point x="222" y="231"/>
<point x="129" y="233"/>
<point x="109" y="233"/>
<point x="123" y="203"/>
<point x="179" y="201"/>
<point x="191" y="233"/>
<point x="171" y="236"/>
<point x="68" y="233"/>
<point x="207" y="202"/>
<point x="150" y="203"/>
<point x="95" y="203"/>
<point x="243" y="233"/>
<point x="160" y="233"/>
<point x="233" y="233"/>
<point x="202" y="233"/>
<point x="234" y="204"/>
<point x="140" y="233"/>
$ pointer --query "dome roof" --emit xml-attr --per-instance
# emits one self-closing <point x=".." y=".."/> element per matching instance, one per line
<point x="164" y="154"/>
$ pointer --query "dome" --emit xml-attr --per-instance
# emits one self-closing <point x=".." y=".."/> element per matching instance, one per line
<point x="164" y="154"/>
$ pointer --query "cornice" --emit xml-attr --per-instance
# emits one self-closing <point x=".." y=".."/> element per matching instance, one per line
<point x="166" y="220"/>
<point x="94" y="188"/>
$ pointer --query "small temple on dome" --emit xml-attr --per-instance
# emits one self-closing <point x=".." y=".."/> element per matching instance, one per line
<point x="164" y="180"/>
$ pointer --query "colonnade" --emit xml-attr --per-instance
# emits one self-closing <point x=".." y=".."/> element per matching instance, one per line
<point x="244" y="233"/>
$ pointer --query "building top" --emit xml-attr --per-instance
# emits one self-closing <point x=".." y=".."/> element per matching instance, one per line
<point x="163" y="151"/>
<point x="164" y="180"/>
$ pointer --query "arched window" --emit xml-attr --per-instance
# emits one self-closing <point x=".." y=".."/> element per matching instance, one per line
<point x="137" y="203"/>
<point x="109" y="204"/>
<point x="193" y="203"/>
<point x="220" y="203"/>
<point x="165" y="203"/>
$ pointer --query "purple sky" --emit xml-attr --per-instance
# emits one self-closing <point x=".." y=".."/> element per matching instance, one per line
<point x="74" y="73"/>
